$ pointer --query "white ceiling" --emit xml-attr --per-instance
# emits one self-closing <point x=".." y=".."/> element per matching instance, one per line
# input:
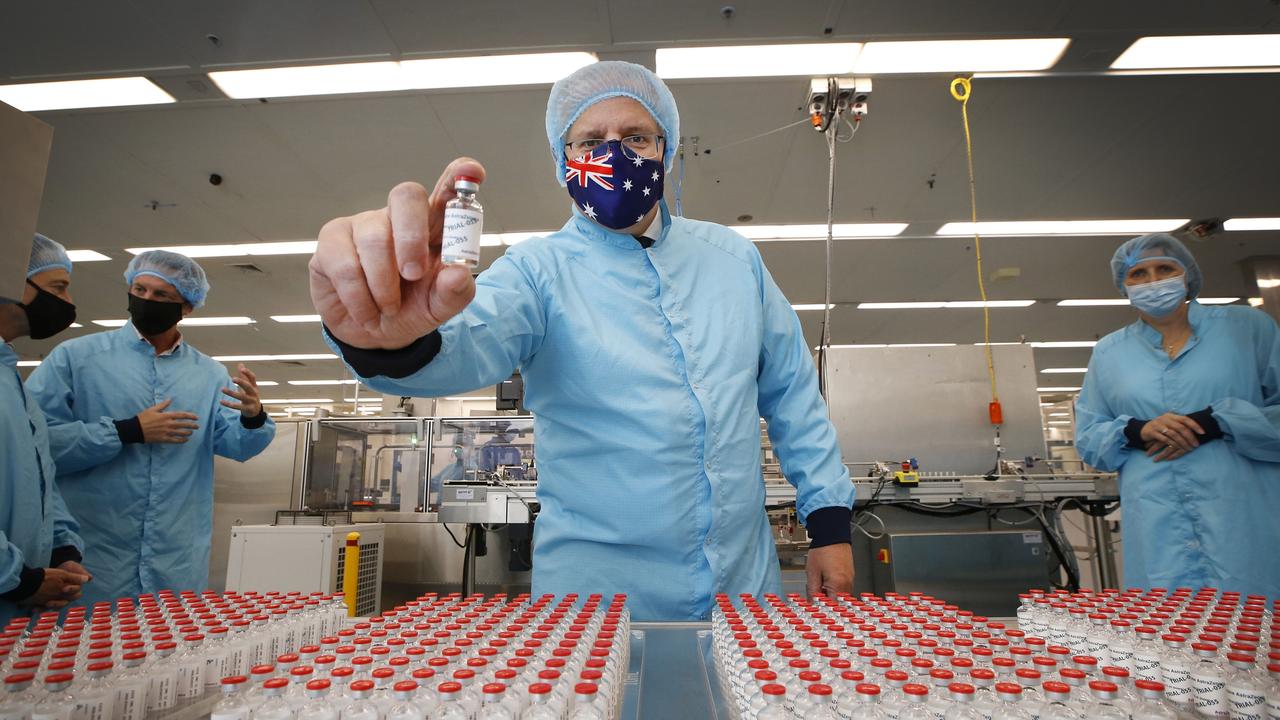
<point x="1073" y="145"/>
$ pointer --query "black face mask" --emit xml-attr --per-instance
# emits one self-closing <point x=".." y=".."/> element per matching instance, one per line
<point x="152" y="317"/>
<point x="47" y="314"/>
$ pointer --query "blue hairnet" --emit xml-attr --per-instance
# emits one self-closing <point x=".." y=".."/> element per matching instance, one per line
<point x="1151" y="247"/>
<point x="572" y="95"/>
<point x="179" y="271"/>
<point x="46" y="254"/>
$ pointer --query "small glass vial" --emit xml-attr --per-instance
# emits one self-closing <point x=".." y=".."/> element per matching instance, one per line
<point x="463" y="223"/>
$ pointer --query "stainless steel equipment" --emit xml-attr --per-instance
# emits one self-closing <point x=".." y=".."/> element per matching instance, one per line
<point x="306" y="557"/>
<point x="931" y="404"/>
<point x="980" y="571"/>
<point x="367" y="464"/>
<point x="250" y="493"/>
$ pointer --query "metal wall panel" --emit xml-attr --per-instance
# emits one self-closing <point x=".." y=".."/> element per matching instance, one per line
<point x="250" y="493"/>
<point x="931" y="404"/>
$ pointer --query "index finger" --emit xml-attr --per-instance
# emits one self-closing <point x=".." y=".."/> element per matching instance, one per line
<point x="443" y="193"/>
<point x="409" y="208"/>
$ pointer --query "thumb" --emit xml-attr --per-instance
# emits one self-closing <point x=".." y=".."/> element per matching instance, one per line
<point x="452" y="290"/>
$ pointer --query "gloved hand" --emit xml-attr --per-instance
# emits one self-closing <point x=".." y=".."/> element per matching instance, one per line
<point x="376" y="277"/>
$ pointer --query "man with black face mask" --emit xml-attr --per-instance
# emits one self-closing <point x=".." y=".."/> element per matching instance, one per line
<point x="135" y="417"/>
<point x="40" y="547"/>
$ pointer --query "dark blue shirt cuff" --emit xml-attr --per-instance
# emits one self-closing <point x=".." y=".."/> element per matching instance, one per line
<point x="130" y="431"/>
<point x="29" y="581"/>
<point x="1205" y="419"/>
<point x="390" y="363"/>
<point x="1133" y="433"/>
<point x="63" y="554"/>
<point x="828" y="526"/>
<point x="254" y="422"/>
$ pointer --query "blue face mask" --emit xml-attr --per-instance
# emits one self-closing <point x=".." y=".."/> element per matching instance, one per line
<point x="1159" y="298"/>
<point x="614" y="188"/>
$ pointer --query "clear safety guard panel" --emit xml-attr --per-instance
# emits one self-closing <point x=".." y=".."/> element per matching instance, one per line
<point x="367" y="464"/>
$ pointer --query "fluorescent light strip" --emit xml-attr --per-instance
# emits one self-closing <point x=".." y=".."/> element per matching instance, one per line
<point x="1201" y="51"/>
<point x="756" y="60"/>
<point x="1107" y="302"/>
<point x="286" y="247"/>
<point x="282" y="358"/>
<point x="69" y="94"/>
<point x="1065" y="344"/>
<point x="1267" y="283"/>
<point x="1064" y="370"/>
<point x="376" y="399"/>
<point x="948" y="304"/>
<point x="946" y="56"/>
<point x="1234" y="224"/>
<point x="1060" y="414"/>
<point x="1057" y="389"/>
<point x="1059" y="422"/>
<point x="288" y="401"/>
<point x="188" y="322"/>
<point x="1033" y="228"/>
<point x="840" y="231"/>
<point x="216" y="321"/>
<point x="1255" y="302"/>
<point x="812" y="306"/>
<point x="1217" y="300"/>
<point x="424" y="74"/>
<point x="79" y="256"/>
<point x="322" y="382"/>
<point x="296" y="318"/>
<point x="267" y="383"/>
<point x="28" y="363"/>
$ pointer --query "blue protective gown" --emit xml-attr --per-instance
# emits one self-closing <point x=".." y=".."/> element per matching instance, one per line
<point x="1210" y="517"/>
<point x="647" y="372"/>
<point x="145" y="510"/>
<point x="33" y="517"/>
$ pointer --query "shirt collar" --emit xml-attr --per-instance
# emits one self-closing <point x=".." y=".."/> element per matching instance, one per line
<point x="593" y="230"/>
<point x="1195" y="313"/>
<point x="176" y="346"/>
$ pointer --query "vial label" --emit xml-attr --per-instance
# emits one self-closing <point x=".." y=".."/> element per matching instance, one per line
<point x="461" y="241"/>
<point x="1273" y="707"/>
<point x="1210" y="693"/>
<point x="215" y="668"/>
<point x="58" y="712"/>
<point x="1177" y="683"/>
<point x="15" y="713"/>
<point x="130" y="702"/>
<point x="161" y="692"/>
<point x="94" y="708"/>
<point x="191" y="680"/>
<point x="240" y="714"/>
<point x="1146" y="666"/>
<point x="1246" y="703"/>
<point x="1122" y="656"/>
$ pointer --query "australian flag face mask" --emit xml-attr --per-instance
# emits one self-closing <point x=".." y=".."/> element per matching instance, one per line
<point x="616" y="188"/>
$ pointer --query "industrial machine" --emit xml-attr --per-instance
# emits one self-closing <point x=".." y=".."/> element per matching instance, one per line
<point x="306" y="553"/>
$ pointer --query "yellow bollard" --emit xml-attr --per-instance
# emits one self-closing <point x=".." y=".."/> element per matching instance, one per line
<point x="351" y="572"/>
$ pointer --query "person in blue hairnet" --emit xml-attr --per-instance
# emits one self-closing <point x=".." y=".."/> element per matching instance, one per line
<point x="650" y="346"/>
<point x="40" y="546"/>
<point x="1185" y="404"/>
<point x="135" y="417"/>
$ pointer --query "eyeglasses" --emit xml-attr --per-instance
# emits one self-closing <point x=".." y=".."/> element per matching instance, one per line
<point x="642" y="146"/>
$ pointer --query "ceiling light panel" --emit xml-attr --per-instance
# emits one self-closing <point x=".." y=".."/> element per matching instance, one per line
<point x="1031" y="228"/>
<point x="757" y="60"/>
<point x="840" y="231"/>
<point x="1235" y="224"/>
<point x="79" y="256"/>
<point x="947" y="56"/>
<point x="1201" y="51"/>
<point x="70" y="94"/>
